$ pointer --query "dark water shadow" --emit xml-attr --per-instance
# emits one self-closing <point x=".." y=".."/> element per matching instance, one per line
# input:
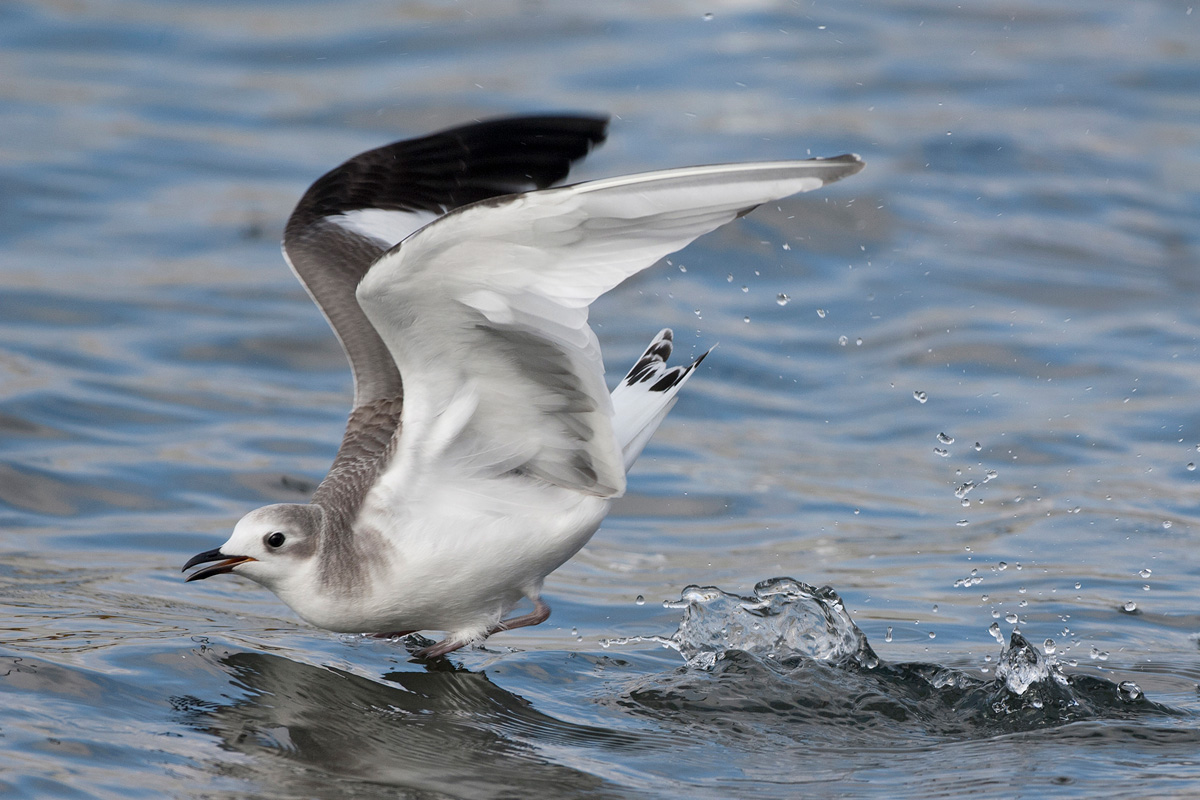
<point x="445" y="732"/>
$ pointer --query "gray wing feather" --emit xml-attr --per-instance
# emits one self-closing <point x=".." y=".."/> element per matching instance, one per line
<point x="409" y="181"/>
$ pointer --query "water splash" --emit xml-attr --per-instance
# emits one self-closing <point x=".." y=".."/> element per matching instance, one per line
<point x="784" y="620"/>
<point x="1022" y="665"/>
<point x="795" y="649"/>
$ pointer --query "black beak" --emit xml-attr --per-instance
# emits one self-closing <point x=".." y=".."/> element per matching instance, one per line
<point x="226" y="565"/>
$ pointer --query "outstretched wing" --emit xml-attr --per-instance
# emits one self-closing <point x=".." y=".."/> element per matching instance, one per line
<point x="353" y="214"/>
<point x="485" y="313"/>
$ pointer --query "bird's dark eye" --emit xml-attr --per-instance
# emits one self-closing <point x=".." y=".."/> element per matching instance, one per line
<point x="276" y="539"/>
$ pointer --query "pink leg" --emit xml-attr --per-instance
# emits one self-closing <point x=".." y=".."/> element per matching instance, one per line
<point x="540" y="613"/>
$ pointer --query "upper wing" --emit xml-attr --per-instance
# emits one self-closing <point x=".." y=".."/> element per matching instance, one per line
<point x="351" y="215"/>
<point x="485" y="312"/>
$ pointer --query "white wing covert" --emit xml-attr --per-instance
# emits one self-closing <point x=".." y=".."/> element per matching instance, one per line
<point x="485" y="312"/>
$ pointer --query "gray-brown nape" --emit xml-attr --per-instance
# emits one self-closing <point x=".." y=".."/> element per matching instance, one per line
<point x="365" y="452"/>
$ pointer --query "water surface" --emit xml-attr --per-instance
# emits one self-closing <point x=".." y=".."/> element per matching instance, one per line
<point x="1020" y="253"/>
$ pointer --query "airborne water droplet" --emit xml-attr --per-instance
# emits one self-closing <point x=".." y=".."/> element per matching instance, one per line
<point x="821" y="313"/>
<point x="1049" y="647"/>
<point x="1145" y="573"/>
<point x="842" y="340"/>
<point x="944" y="439"/>
<point x="887" y="637"/>
<point x="782" y="299"/>
<point x="1010" y="618"/>
<point x="920" y="397"/>
<point x="708" y="16"/>
<point x="641" y="601"/>
<point x="1129" y="607"/>
<point x="1129" y="690"/>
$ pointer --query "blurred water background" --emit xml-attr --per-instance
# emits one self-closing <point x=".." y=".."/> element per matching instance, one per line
<point x="960" y="388"/>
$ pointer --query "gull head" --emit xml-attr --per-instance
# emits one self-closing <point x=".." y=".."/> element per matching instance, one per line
<point x="274" y="545"/>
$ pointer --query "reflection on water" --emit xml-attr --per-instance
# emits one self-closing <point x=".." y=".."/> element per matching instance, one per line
<point x="445" y="730"/>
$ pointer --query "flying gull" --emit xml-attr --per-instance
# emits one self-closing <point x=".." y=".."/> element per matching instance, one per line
<point x="484" y="447"/>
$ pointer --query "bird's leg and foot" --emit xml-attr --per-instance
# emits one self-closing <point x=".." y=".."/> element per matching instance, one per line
<point x="540" y="613"/>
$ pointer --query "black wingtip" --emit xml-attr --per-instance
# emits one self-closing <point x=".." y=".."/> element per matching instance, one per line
<point x="456" y="166"/>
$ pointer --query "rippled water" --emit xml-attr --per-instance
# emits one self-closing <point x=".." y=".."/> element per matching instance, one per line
<point x="975" y="405"/>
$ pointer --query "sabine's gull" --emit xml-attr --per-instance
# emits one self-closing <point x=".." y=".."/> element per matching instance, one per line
<point x="484" y="448"/>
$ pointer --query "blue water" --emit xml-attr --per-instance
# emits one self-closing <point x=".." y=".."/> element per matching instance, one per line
<point x="1021" y="251"/>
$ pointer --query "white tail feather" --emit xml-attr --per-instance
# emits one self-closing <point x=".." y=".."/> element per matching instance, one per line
<point x="645" y="395"/>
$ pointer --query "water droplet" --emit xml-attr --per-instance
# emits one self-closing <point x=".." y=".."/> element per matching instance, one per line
<point x="965" y="503"/>
<point x="641" y="601"/>
<point x="1145" y="573"/>
<point x="1021" y="590"/>
<point x="978" y="447"/>
<point x="1003" y="565"/>
<point x="964" y="490"/>
<point x="994" y="630"/>
<point x="1166" y="523"/>
<point x="1191" y="467"/>
<point x="697" y="312"/>
<point x="1146" y="587"/>
<point x="1129" y="691"/>
<point x="932" y="635"/>
<point x="920" y="397"/>
<point x="746" y="319"/>
<point x="1130" y="607"/>
<point x="1099" y="655"/>
<point x="941" y="452"/>
<point x="729" y="278"/>
<point x="858" y="342"/>
<point x="1010" y="618"/>
<point x="1078" y="585"/>
<point x="745" y="289"/>
<point x="990" y="475"/>
<point x="782" y="299"/>
<point x="962" y="523"/>
<point x="1049" y="647"/>
<point x="842" y="340"/>
<point x="935" y="609"/>
<point x="708" y="16"/>
<point x="944" y="439"/>
<point x="821" y="313"/>
<point x="682" y="268"/>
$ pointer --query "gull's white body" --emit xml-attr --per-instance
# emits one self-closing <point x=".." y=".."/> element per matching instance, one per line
<point x="517" y="533"/>
<point x="509" y="446"/>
